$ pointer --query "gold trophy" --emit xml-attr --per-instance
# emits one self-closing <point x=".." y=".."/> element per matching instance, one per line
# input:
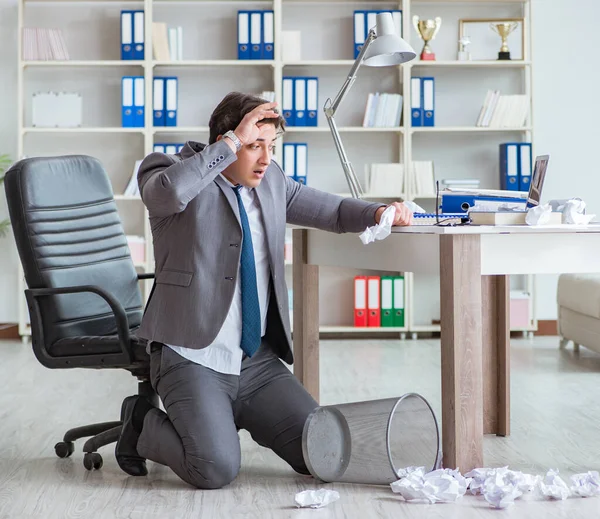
<point x="427" y="29"/>
<point x="504" y="29"/>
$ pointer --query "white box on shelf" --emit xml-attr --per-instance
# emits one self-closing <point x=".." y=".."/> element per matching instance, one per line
<point x="519" y="309"/>
<point x="291" y="44"/>
<point x="137" y="248"/>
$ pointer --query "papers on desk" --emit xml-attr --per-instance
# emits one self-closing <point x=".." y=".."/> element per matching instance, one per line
<point x="499" y="193"/>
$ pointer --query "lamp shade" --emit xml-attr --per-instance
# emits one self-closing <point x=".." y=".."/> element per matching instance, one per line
<point x="388" y="48"/>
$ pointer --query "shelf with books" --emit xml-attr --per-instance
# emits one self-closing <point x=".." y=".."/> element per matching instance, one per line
<point x="215" y="62"/>
<point x="82" y="129"/>
<point x="437" y="129"/>
<point x="180" y="129"/>
<point x="473" y="64"/>
<point x="83" y="63"/>
<point x="362" y="329"/>
<point x="207" y="69"/>
<point x="346" y="129"/>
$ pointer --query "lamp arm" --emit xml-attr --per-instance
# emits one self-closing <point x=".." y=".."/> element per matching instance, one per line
<point x="330" y="109"/>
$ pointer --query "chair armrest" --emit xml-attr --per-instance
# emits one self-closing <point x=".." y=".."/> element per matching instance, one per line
<point x="124" y="357"/>
<point x="149" y="275"/>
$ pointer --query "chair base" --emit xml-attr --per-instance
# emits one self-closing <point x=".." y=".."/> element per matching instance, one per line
<point x="99" y="434"/>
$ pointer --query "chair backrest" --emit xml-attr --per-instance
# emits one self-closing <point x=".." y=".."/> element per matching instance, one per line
<point x="68" y="233"/>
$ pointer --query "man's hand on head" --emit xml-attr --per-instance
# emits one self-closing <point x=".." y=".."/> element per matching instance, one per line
<point x="403" y="216"/>
<point x="248" y="131"/>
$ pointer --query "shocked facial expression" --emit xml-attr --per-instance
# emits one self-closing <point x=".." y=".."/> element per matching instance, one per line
<point x="253" y="159"/>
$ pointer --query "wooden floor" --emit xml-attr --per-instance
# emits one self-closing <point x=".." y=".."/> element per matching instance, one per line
<point x="556" y="423"/>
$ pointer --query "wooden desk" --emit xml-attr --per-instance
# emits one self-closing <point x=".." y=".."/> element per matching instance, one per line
<point x="474" y="264"/>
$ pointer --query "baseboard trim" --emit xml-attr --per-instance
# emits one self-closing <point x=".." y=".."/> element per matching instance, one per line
<point x="9" y="331"/>
<point x="547" y="327"/>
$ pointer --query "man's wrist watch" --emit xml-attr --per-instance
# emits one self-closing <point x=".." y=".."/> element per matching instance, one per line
<point x="234" y="138"/>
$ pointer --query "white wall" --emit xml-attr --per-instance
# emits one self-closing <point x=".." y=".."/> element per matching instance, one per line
<point x="566" y="111"/>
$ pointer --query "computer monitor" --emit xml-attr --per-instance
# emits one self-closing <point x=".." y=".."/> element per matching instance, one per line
<point x="537" y="180"/>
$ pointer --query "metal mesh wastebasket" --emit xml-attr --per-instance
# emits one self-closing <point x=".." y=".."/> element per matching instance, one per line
<point x="369" y="442"/>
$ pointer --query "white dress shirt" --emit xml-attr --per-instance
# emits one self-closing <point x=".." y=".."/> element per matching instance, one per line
<point x="225" y="354"/>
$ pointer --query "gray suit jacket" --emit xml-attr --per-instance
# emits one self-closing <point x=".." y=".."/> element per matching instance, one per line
<point x="197" y="235"/>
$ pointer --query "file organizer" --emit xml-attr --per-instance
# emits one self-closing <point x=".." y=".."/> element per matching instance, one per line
<point x="164" y="101"/>
<point x="256" y="34"/>
<point x="132" y="102"/>
<point x="509" y="166"/>
<point x="422" y="101"/>
<point x="168" y="147"/>
<point x="515" y="165"/>
<point x="360" y="301"/>
<point x="398" y="298"/>
<point x="300" y="102"/>
<point x="364" y="21"/>
<point x="373" y="302"/>
<point x="387" y="301"/>
<point x="295" y="161"/>
<point x="132" y="35"/>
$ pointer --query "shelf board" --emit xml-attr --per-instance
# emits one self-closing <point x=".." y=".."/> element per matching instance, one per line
<point x="475" y="63"/>
<point x="436" y="129"/>
<point x="83" y="63"/>
<point x="180" y="129"/>
<point x="128" y="198"/>
<point x="215" y="62"/>
<point x="346" y="129"/>
<point x="359" y="329"/>
<point x="319" y="63"/>
<point x="83" y="129"/>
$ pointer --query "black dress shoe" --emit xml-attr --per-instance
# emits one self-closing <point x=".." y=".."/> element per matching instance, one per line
<point x="132" y="412"/>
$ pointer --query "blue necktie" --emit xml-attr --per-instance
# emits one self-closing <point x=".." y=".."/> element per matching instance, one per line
<point x="250" y="306"/>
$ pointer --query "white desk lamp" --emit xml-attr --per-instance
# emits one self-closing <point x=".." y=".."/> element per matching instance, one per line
<point x="382" y="48"/>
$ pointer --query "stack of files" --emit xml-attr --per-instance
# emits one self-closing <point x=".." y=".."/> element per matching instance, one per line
<point x="300" y="101"/>
<point x="164" y="101"/>
<point x="132" y="188"/>
<point x="463" y="200"/>
<point x="56" y="110"/>
<point x="508" y="218"/>
<point x="515" y="166"/>
<point x="379" y="301"/>
<point x="364" y="21"/>
<point x="168" y="148"/>
<point x="44" y="45"/>
<point x="383" y="111"/>
<point x="255" y="38"/>
<point x="167" y="42"/>
<point x="295" y="161"/>
<point x="422" y="101"/>
<point x="469" y="183"/>
<point x="132" y="101"/>
<point x="385" y="180"/>
<point x="420" y="180"/>
<point x="132" y="35"/>
<point x="503" y="111"/>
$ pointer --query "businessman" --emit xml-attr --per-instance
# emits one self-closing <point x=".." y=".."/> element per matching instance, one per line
<point x="217" y="321"/>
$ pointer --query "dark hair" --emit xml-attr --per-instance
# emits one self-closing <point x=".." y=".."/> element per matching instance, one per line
<point x="232" y="109"/>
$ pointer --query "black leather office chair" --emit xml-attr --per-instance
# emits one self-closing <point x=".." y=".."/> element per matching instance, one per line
<point x="83" y="294"/>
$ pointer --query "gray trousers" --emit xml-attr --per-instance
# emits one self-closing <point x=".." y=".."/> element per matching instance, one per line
<point x="198" y="438"/>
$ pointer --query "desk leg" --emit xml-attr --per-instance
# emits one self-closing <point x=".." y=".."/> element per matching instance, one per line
<point x="306" y="315"/>
<point x="496" y="354"/>
<point x="462" y="392"/>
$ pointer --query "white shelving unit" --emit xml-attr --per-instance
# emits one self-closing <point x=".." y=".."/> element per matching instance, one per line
<point x="210" y="69"/>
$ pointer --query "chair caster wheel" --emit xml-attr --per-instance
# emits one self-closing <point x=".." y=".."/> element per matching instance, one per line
<point x="64" y="449"/>
<point x="92" y="461"/>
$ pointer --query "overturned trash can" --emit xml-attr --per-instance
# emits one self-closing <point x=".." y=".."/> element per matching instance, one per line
<point x="371" y="442"/>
